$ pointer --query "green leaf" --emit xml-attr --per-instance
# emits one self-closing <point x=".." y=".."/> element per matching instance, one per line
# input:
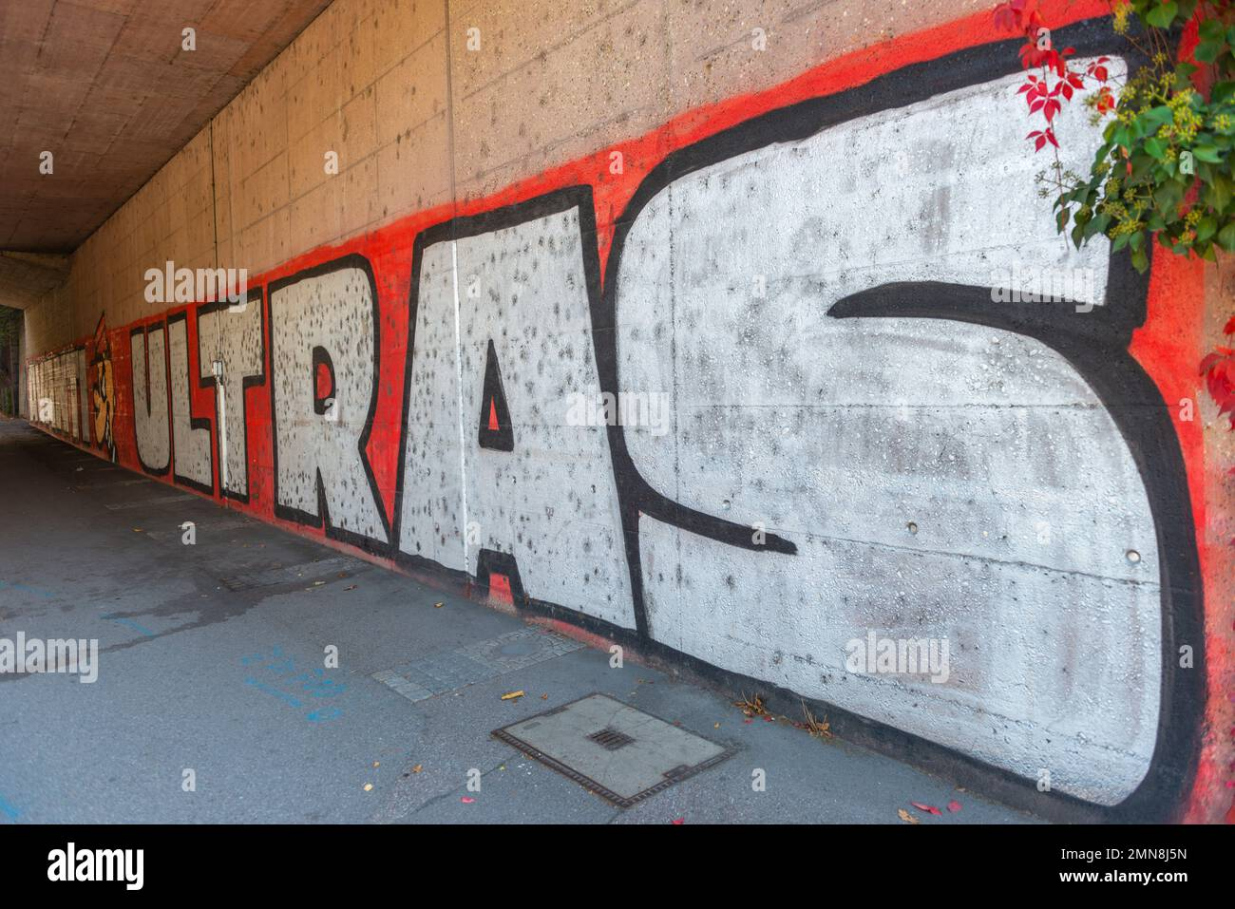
<point x="1212" y="30"/>
<point x="1222" y="92"/>
<point x="1140" y="261"/>
<point x="1206" y="228"/>
<point x="1226" y="238"/>
<point x="1218" y="193"/>
<point x="1156" y="149"/>
<point x="1162" y="16"/>
<point x="1156" y="117"/>
<point x="1208" y="51"/>
<point x="1167" y="198"/>
<point x="1208" y="153"/>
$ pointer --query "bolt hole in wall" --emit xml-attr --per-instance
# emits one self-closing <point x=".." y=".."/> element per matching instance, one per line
<point x="868" y="447"/>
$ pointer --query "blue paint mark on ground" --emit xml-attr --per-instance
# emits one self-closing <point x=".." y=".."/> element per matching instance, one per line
<point x="129" y="623"/>
<point x="278" y="676"/>
<point x="26" y="588"/>
<point x="7" y="809"/>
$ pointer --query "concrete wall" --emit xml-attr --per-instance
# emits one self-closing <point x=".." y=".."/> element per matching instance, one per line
<point x="703" y="326"/>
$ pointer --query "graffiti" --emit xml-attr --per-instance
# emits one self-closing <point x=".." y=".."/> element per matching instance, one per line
<point x="859" y="432"/>
<point x="58" y="395"/>
<point x="152" y="425"/>
<point x="325" y="323"/>
<point x="103" y="391"/>
<point x="541" y="493"/>
<point x="231" y="357"/>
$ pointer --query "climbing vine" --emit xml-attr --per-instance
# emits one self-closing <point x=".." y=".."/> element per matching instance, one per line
<point x="1163" y="171"/>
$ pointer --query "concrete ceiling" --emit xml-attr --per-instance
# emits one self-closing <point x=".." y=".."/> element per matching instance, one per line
<point x="25" y="277"/>
<point x="107" y="88"/>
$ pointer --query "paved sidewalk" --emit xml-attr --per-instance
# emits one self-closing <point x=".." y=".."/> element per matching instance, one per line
<point x="211" y="661"/>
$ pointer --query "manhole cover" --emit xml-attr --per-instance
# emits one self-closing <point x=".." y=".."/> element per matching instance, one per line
<point x="616" y="751"/>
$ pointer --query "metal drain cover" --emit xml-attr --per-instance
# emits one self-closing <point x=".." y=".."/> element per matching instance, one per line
<point x="616" y="751"/>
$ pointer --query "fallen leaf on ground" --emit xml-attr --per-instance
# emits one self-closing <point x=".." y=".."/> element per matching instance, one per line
<point x="906" y="816"/>
<point x="467" y="800"/>
<point x="345" y="589"/>
<point x="752" y="706"/>
<point x="417" y="768"/>
<point x="377" y="763"/>
<point x="512" y="695"/>
<point x="954" y="806"/>
<point x="929" y="809"/>
<point x="438" y="605"/>
<point x="679" y="821"/>
<point x="368" y="787"/>
<point x="817" y="729"/>
<point x="544" y="697"/>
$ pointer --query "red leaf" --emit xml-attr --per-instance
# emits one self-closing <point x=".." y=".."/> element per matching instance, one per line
<point x="1037" y="146"/>
<point x="1100" y="73"/>
<point x="1229" y="329"/>
<point x="954" y="806"/>
<point x="931" y="809"/>
<point x="679" y="821"/>
<point x="467" y="800"/>
<point x="1219" y="371"/>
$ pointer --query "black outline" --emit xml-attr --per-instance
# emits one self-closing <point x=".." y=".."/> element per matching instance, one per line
<point x="194" y="422"/>
<point x="1099" y="335"/>
<point x="502" y="438"/>
<point x="246" y="382"/>
<point x="1094" y="342"/>
<point x="492" y="561"/>
<point x="322" y="518"/>
<point x="1134" y="402"/>
<point x="321" y="357"/>
<point x="635" y="496"/>
<point x="161" y="325"/>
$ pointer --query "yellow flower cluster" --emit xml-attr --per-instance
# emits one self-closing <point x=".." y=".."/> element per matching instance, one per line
<point x="1120" y="22"/>
<point x="1187" y="123"/>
